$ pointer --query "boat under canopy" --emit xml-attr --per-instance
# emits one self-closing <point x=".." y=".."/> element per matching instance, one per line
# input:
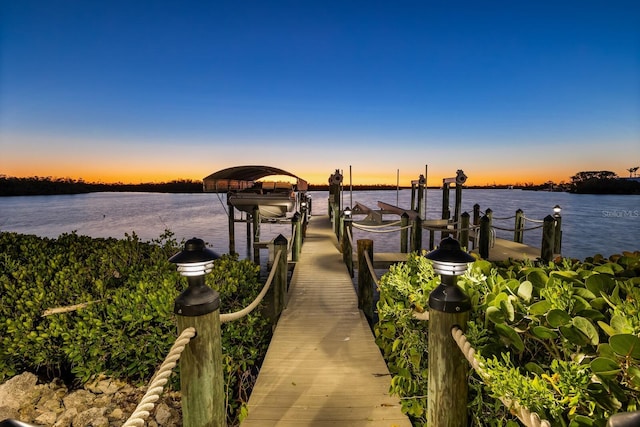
<point x="246" y="193"/>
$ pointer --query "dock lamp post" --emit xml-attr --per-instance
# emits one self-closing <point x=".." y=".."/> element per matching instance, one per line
<point x="557" y="232"/>
<point x="201" y="381"/>
<point x="448" y="307"/>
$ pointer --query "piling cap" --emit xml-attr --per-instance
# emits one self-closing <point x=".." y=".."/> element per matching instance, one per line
<point x="194" y="252"/>
<point x="449" y="251"/>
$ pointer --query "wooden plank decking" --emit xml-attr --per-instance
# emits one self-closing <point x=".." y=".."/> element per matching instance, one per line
<point x="323" y="367"/>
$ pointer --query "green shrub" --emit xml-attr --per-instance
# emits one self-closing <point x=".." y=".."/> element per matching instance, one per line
<point x="128" y="327"/>
<point x="561" y="338"/>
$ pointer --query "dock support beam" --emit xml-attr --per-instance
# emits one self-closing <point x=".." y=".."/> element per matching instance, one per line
<point x="256" y="235"/>
<point x="416" y="235"/>
<point x="518" y="233"/>
<point x="280" y="284"/>
<point x="464" y="230"/>
<point x="404" y="233"/>
<point x="297" y="237"/>
<point x="365" y="282"/>
<point x="232" y="227"/>
<point x="485" y="237"/>
<point x="548" y="238"/>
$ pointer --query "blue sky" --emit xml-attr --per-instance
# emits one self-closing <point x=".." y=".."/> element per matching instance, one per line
<point x="137" y="91"/>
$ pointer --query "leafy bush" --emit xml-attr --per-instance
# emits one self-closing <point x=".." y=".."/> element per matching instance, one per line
<point x="128" y="326"/>
<point x="561" y="338"/>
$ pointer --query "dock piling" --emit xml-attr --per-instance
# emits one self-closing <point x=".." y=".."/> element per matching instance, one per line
<point x="365" y="282"/>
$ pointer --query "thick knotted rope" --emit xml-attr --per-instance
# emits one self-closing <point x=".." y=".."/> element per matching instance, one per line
<point x="159" y="380"/>
<point x="229" y="317"/>
<point x="530" y="419"/>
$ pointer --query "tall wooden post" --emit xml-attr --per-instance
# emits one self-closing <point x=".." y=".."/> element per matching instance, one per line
<point x="280" y="279"/>
<point x="256" y="235"/>
<point x="201" y="374"/>
<point x="421" y="197"/>
<point x="557" y="234"/>
<point x="476" y="214"/>
<point x="485" y="237"/>
<point x="448" y="307"/>
<point x="548" y="238"/>
<point x="518" y="233"/>
<point x="232" y="227"/>
<point x="464" y="229"/>
<point x="446" y="213"/>
<point x="347" y="248"/>
<point x="297" y="238"/>
<point x="336" y="219"/>
<point x="458" y="205"/>
<point x="489" y="214"/>
<point x="447" y="384"/>
<point x="413" y="196"/>
<point x="404" y="233"/>
<point x="365" y="282"/>
<point x="416" y="235"/>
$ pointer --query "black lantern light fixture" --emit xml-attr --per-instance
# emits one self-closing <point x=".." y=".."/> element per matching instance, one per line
<point x="193" y="262"/>
<point x="556" y="210"/>
<point x="449" y="261"/>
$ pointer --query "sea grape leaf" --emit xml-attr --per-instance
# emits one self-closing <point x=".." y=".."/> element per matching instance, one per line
<point x="525" y="290"/>
<point x="584" y="293"/>
<point x="621" y="324"/>
<point x="593" y="315"/>
<point x="574" y="335"/>
<point x="557" y="317"/>
<point x="534" y="368"/>
<point x="604" y="350"/>
<point x="507" y="307"/>
<point x="581" y="421"/>
<point x="538" y="278"/>
<point x="599" y="283"/>
<point x="605" y="367"/>
<point x="510" y="337"/>
<point x="598" y="303"/>
<point x="627" y="345"/>
<point x="579" y="303"/>
<point x="606" y="328"/>
<point x="585" y="326"/>
<point x="544" y="333"/>
<point x="569" y="276"/>
<point x="540" y="307"/>
<point x="495" y="315"/>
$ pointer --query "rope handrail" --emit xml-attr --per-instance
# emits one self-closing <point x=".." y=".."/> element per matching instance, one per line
<point x="539" y="221"/>
<point x="229" y="317"/>
<point x="503" y="217"/>
<point x="158" y="381"/>
<point x="375" y="230"/>
<point x="371" y="269"/>
<point x="519" y="229"/>
<point x="390" y="224"/>
<point x="528" y="418"/>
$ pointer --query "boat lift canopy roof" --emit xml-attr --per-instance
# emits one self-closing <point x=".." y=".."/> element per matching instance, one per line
<point x="241" y="177"/>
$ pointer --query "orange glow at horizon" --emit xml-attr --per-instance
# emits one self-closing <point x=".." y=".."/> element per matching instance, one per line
<point x="110" y="176"/>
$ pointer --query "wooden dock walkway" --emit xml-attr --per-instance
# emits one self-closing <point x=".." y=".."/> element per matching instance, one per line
<point x="323" y="367"/>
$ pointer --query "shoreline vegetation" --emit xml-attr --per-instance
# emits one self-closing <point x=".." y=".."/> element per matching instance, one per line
<point x="590" y="182"/>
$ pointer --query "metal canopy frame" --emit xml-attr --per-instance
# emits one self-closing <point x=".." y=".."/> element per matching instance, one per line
<point x="241" y="177"/>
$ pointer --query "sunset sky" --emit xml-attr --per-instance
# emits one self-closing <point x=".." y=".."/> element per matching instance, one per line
<point x="150" y="91"/>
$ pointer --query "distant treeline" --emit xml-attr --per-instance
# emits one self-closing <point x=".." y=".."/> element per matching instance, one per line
<point x="603" y="182"/>
<point x="42" y="186"/>
<point x="590" y="182"/>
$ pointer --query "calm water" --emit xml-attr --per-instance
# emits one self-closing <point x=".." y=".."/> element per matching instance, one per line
<point x="591" y="224"/>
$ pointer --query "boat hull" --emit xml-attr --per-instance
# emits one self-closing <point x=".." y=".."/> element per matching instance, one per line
<point x="269" y="206"/>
